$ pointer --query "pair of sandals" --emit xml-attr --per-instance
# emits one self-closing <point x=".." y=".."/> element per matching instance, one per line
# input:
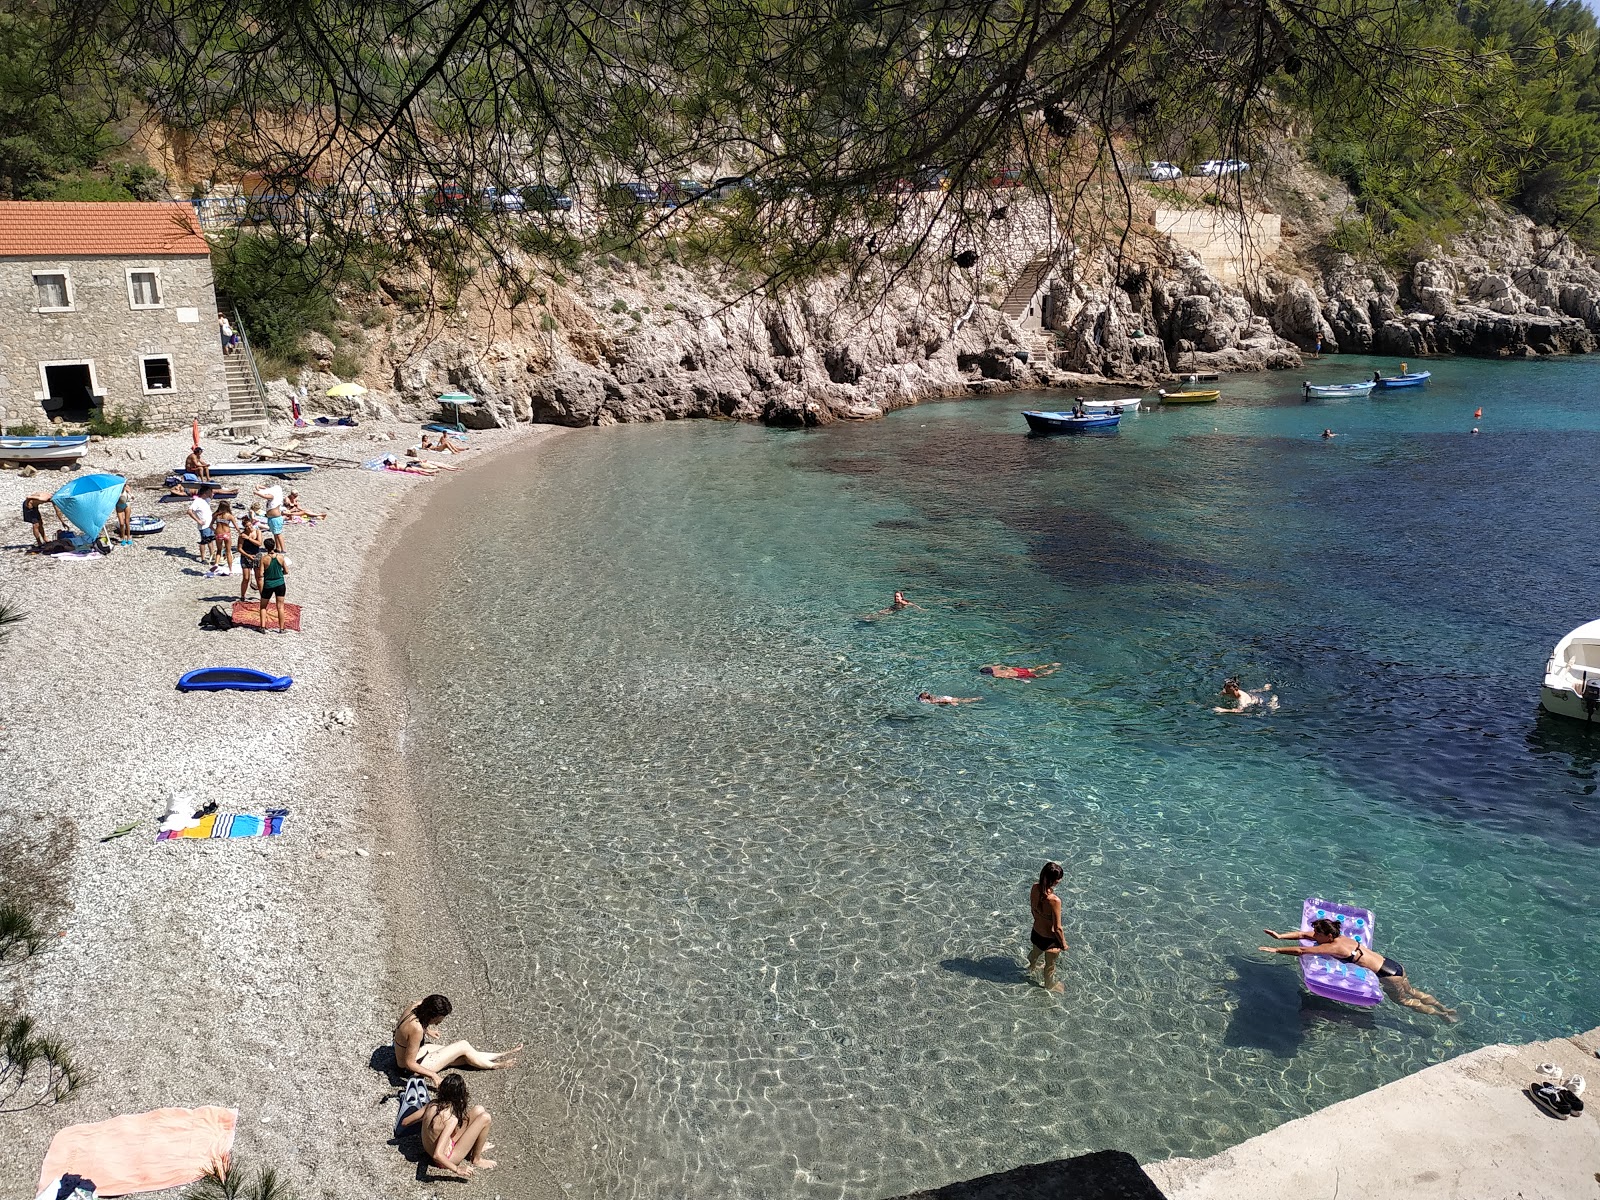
<point x="1559" y="1102"/>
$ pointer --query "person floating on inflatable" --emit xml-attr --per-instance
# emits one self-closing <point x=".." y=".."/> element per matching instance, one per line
<point x="1331" y="940"/>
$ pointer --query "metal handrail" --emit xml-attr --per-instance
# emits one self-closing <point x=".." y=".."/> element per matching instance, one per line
<point x="250" y="357"/>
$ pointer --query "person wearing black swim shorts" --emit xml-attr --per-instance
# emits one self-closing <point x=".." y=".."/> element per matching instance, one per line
<point x="1047" y="937"/>
<point x="1331" y="941"/>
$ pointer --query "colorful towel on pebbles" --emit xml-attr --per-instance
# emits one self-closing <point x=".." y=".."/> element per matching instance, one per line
<point x="248" y="612"/>
<point x="230" y="825"/>
<point x="144" y="1152"/>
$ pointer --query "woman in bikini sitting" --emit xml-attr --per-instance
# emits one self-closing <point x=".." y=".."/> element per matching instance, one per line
<point x="1331" y="941"/>
<point x="453" y="1134"/>
<point x="417" y="1055"/>
<point x="1003" y="672"/>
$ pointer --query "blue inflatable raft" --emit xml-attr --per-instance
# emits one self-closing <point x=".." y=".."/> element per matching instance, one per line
<point x="233" y="679"/>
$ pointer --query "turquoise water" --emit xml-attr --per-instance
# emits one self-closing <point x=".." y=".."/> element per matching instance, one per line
<point x="764" y="913"/>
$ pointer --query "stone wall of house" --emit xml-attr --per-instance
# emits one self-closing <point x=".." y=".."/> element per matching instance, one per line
<point x="105" y="330"/>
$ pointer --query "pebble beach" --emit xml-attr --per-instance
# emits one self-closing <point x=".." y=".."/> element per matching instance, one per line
<point x="260" y="974"/>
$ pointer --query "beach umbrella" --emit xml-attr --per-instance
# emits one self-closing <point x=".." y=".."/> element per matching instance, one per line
<point x="88" y="501"/>
<point x="455" y="400"/>
<point x="347" y="389"/>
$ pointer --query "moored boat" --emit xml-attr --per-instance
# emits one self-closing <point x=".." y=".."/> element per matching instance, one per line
<point x="1404" y="380"/>
<point x="1572" y="676"/>
<point x="1338" y="391"/>
<point x="1066" y="422"/>
<point x="1192" y="396"/>
<point x="38" y="450"/>
<point x="1108" y="407"/>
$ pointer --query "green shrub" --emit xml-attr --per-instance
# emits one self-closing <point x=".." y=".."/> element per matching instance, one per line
<point x="114" y="426"/>
<point x="34" y="1069"/>
<point x="235" y="1183"/>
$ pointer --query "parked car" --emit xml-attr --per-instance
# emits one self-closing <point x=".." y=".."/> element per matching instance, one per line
<point x="448" y="197"/>
<point x="1222" y="166"/>
<point x="728" y="185"/>
<point x="680" y="191"/>
<point x="496" y="200"/>
<point x="1005" y="177"/>
<point x="1162" y="171"/>
<point x="542" y="197"/>
<point x="631" y="194"/>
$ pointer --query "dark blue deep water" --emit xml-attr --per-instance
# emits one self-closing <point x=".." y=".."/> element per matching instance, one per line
<point x="764" y="914"/>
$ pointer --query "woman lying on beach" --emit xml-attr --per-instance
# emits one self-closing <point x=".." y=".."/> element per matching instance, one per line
<point x="416" y="1055"/>
<point x="1000" y="672"/>
<point x="452" y="1133"/>
<point x="1244" y="701"/>
<point x="1331" y="941"/>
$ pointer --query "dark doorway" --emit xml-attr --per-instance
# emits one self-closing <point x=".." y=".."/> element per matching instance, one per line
<point x="71" y="393"/>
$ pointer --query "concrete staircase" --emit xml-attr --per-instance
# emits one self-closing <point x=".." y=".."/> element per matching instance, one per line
<point x="247" y="401"/>
<point x="1026" y="287"/>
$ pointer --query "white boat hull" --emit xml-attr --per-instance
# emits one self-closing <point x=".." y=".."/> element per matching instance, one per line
<point x="1110" y="407"/>
<point x="1572" y="676"/>
<point x="41" y="454"/>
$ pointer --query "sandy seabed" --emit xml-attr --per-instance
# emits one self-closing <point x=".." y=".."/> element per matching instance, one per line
<point x="258" y="974"/>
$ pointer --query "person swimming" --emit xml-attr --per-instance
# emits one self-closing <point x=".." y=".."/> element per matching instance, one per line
<point x="930" y="698"/>
<point x="1244" y="701"/>
<point x="1004" y="672"/>
<point x="1332" y="942"/>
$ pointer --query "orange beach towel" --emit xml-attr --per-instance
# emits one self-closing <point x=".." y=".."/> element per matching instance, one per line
<point x="143" y="1152"/>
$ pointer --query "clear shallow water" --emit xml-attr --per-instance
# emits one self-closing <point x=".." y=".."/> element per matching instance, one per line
<point x="766" y="913"/>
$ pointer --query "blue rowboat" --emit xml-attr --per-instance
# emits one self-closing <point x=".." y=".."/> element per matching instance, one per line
<point x="1065" y="422"/>
<point x="232" y="679"/>
<point x="1409" y="379"/>
<point x="225" y="469"/>
<point x="1338" y="391"/>
<point x="44" y="449"/>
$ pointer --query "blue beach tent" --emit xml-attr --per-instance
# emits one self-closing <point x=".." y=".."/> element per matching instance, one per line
<point x="88" y="502"/>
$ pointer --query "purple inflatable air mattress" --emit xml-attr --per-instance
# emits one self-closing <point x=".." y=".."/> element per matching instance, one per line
<point x="1328" y="977"/>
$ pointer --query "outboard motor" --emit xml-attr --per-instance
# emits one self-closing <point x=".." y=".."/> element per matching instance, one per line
<point x="1591" y="697"/>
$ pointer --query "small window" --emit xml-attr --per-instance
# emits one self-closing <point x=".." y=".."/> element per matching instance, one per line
<point x="144" y="289"/>
<point x="157" y="370"/>
<point x="52" y="291"/>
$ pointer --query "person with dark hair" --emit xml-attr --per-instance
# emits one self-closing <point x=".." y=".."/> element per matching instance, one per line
<point x="1244" y="701"/>
<point x="272" y="577"/>
<point x="453" y="1133"/>
<point x="1331" y="941"/>
<point x="1047" y="936"/>
<point x="1000" y="671"/>
<point x="930" y="698"/>
<point x="417" y="1054"/>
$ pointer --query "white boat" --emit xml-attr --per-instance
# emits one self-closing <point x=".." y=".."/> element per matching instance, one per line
<point x="1572" y="676"/>
<point x="1339" y="391"/>
<point x="1107" y="408"/>
<point x="43" y="449"/>
<point x="223" y="470"/>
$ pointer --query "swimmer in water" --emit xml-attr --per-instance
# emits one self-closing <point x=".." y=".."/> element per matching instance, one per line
<point x="1003" y="672"/>
<point x="930" y="698"/>
<point x="1331" y="942"/>
<point x="900" y="605"/>
<point x="1328" y="433"/>
<point x="1244" y="701"/>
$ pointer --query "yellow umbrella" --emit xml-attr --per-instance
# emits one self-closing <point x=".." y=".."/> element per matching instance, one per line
<point x="347" y="389"/>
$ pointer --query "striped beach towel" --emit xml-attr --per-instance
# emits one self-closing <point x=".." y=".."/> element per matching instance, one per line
<point x="230" y="825"/>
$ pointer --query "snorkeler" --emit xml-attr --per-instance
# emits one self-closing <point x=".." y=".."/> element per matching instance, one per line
<point x="1003" y="672"/>
<point x="1244" y="701"/>
<point x="1331" y="941"/>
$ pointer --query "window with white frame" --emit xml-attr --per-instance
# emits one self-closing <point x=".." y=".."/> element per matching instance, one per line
<point x="144" y="287"/>
<point x="52" y="291"/>
<point x="156" y="370"/>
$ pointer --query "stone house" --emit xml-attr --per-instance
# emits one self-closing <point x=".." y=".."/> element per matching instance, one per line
<point x="107" y="307"/>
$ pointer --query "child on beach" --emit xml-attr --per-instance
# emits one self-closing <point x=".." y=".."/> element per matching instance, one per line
<point x="200" y="513"/>
<point x="124" y="515"/>
<point x="272" y="577"/>
<point x="222" y="524"/>
<point x="454" y="1135"/>
<point x="250" y="547"/>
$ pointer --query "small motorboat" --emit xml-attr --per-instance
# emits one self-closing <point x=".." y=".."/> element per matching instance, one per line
<point x="223" y="469"/>
<point x="232" y="679"/>
<point x="39" y="451"/>
<point x="1067" y="422"/>
<point x="1338" y="391"/>
<point x="1116" y="407"/>
<point x="1572" y="676"/>
<point x="1191" y="396"/>
<point x="1409" y="379"/>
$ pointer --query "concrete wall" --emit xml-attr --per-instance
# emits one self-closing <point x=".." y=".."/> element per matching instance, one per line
<point x="1231" y="245"/>
<point x="105" y="330"/>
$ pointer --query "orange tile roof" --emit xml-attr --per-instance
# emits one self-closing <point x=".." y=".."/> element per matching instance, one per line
<point x="55" y="229"/>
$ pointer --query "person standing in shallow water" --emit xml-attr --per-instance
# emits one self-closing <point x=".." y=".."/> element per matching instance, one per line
<point x="1049" y="941"/>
